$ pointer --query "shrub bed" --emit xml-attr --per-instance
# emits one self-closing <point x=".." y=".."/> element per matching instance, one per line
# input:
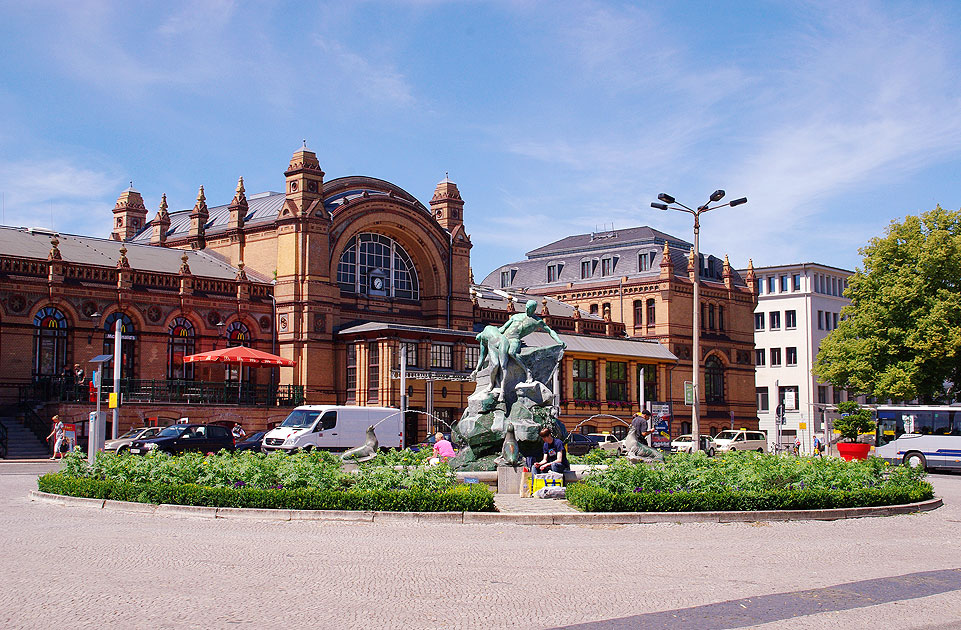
<point x="304" y="481"/>
<point x="472" y="498"/>
<point x="746" y="481"/>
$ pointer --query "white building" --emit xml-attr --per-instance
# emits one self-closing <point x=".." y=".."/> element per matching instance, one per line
<point x="798" y="305"/>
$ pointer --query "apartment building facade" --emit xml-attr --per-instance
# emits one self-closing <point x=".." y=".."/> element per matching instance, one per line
<point x="798" y="305"/>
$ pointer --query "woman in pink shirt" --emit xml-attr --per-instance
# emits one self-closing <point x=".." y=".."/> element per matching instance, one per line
<point x="443" y="450"/>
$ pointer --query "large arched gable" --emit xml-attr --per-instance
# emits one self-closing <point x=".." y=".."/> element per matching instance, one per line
<point x="424" y="241"/>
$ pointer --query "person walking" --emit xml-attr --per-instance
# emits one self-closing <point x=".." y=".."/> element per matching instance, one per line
<point x="58" y="434"/>
<point x="818" y="446"/>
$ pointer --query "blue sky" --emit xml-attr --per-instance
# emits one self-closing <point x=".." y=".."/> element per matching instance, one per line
<point x="553" y="117"/>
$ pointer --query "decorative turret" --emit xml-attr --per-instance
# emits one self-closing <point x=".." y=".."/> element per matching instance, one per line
<point x="122" y="262"/>
<point x="129" y="215"/>
<point x="184" y="267"/>
<point x="198" y="221"/>
<point x="54" y="249"/>
<point x="751" y="278"/>
<point x="238" y="206"/>
<point x="305" y="186"/>
<point x="186" y="279"/>
<point x="447" y="205"/>
<point x="544" y="311"/>
<point x="667" y="263"/>
<point x="726" y="274"/>
<point x="161" y="224"/>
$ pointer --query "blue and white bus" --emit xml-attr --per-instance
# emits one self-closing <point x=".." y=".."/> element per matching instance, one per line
<point x="920" y="436"/>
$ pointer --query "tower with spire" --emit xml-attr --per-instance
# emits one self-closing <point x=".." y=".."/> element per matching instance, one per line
<point x="198" y="221"/>
<point x="129" y="215"/>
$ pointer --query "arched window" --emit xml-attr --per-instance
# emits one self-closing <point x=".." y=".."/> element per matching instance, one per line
<point x="638" y="313"/>
<point x="180" y="343"/>
<point x="375" y="265"/>
<point x="713" y="380"/>
<point x="237" y="335"/>
<point x="128" y="340"/>
<point x="49" y="342"/>
<point x="685" y="427"/>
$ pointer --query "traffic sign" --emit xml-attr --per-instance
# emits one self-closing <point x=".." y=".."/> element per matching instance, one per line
<point x="689" y="393"/>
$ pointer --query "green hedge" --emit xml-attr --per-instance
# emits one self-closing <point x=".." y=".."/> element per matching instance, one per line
<point x="472" y="498"/>
<point x="593" y="499"/>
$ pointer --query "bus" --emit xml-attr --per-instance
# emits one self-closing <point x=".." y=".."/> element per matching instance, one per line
<point x="919" y="436"/>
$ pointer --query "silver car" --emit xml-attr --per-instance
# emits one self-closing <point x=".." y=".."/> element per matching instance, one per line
<point x="123" y="442"/>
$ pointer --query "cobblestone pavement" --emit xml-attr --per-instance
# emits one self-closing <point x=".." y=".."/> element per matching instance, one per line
<point x="83" y="568"/>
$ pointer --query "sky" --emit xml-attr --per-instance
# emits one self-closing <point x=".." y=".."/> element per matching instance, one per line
<point x="553" y="118"/>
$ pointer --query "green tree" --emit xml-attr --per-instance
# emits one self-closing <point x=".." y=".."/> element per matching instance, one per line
<point x="900" y="337"/>
<point x="854" y="420"/>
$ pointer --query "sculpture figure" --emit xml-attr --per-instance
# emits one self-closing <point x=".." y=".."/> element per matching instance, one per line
<point x="363" y="453"/>
<point x="510" y="451"/>
<point x="500" y="345"/>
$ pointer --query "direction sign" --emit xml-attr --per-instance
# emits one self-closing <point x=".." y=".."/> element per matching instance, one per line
<point x="689" y="393"/>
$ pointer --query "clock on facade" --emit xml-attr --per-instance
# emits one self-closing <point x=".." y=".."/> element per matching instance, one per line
<point x="377" y="283"/>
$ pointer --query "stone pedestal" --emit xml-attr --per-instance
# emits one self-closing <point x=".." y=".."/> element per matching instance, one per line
<point x="509" y="479"/>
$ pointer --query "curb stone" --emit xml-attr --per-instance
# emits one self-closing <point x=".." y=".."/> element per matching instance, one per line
<point x="557" y="518"/>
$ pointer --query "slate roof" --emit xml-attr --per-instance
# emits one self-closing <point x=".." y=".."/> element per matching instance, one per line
<point x="101" y="252"/>
<point x="623" y="247"/>
<point x="264" y="207"/>
<point x="614" y="239"/>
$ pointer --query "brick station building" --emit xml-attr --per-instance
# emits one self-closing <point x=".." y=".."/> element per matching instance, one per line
<point x="336" y="274"/>
<point x="643" y="279"/>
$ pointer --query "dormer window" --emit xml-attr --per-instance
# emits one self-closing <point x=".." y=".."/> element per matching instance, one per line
<point x="585" y="269"/>
<point x="607" y="266"/>
<point x="554" y="271"/>
<point x="507" y="277"/>
<point x="645" y="260"/>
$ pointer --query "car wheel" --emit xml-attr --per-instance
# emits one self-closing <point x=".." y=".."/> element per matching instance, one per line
<point x="915" y="460"/>
<point x="760" y="450"/>
<point x="122" y="449"/>
<point x="731" y="450"/>
<point x="307" y="448"/>
<point x="710" y="453"/>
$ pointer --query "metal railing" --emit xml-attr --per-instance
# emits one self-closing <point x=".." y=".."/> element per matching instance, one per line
<point x="135" y="390"/>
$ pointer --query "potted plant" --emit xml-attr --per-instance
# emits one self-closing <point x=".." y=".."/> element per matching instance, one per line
<point x="854" y="420"/>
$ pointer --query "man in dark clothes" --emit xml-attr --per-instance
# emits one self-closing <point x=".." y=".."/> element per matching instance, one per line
<point x="642" y="426"/>
<point x="555" y="455"/>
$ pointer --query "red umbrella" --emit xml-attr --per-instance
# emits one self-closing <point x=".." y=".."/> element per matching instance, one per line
<point x="241" y="355"/>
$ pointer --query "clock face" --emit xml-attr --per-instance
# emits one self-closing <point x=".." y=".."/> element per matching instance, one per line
<point x="377" y="284"/>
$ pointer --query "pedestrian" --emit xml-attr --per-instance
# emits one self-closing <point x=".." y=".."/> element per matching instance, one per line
<point x="555" y="455"/>
<point x="797" y="445"/>
<point x="78" y="373"/>
<point x="818" y="446"/>
<point x="443" y="449"/>
<point x="642" y="426"/>
<point x="238" y="432"/>
<point x="57" y="433"/>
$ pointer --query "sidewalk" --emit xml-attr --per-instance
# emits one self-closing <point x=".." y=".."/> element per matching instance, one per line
<point x="514" y="504"/>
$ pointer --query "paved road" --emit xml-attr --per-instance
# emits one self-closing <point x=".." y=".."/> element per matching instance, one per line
<point x="82" y="568"/>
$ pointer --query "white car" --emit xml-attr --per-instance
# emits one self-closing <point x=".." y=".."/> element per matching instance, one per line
<point x="123" y="442"/>
<point x="741" y="440"/>
<point x="683" y="444"/>
<point x="335" y="428"/>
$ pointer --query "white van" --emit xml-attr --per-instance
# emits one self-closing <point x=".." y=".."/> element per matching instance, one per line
<point x="742" y="440"/>
<point x="335" y="428"/>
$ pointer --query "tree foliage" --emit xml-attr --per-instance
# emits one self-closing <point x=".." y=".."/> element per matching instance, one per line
<point x="900" y="337"/>
<point x="854" y="420"/>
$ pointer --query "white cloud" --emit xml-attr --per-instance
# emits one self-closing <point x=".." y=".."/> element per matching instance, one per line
<point x="376" y="81"/>
<point x="58" y="194"/>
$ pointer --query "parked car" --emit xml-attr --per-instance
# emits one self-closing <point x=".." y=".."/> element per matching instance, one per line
<point x="178" y="438"/>
<point x="607" y="441"/>
<point x="335" y="428"/>
<point x="741" y="440"/>
<point x="683" y="444"/>
<point x="123" y="442"/>
<point x="579" y="444"/>
<point x="252" y="442"/>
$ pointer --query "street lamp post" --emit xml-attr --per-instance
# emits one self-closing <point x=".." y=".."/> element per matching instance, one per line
<point x="668" y="202"/>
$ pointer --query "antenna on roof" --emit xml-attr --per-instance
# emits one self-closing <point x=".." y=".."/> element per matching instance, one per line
<point x="305" y="143"/>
